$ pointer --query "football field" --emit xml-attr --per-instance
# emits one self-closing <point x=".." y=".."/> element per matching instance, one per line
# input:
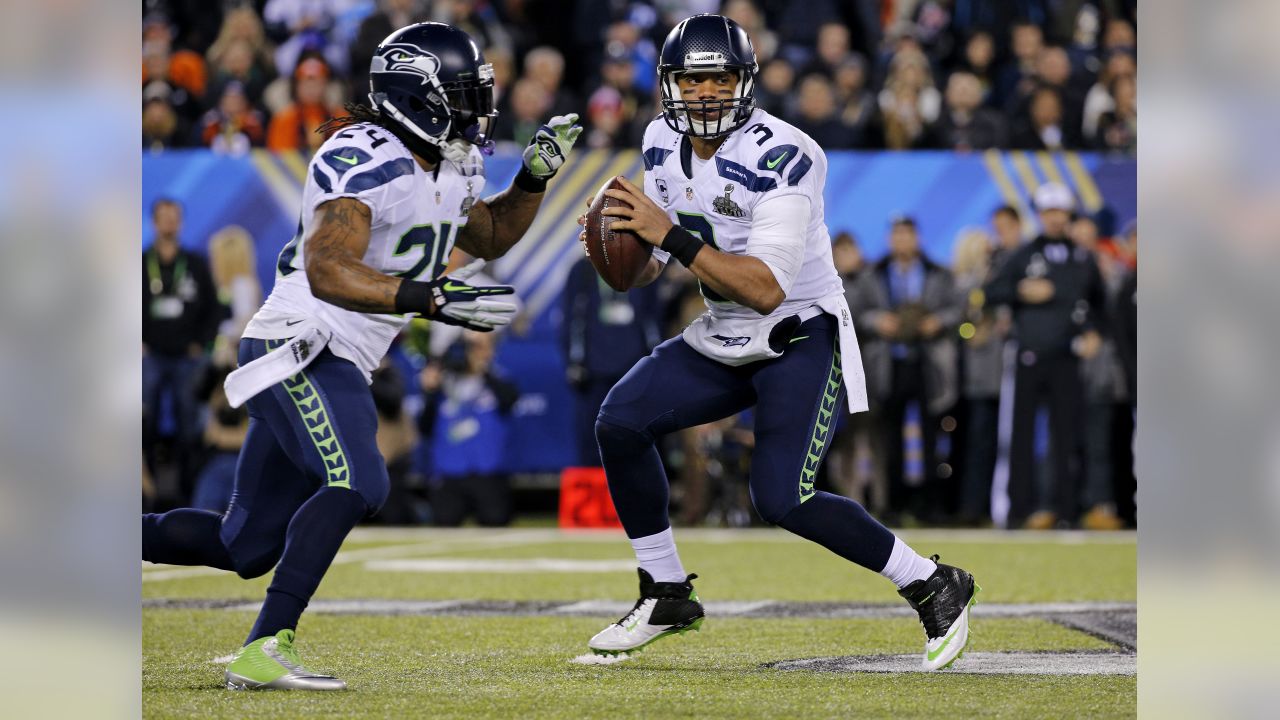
<point x="494" y="623"/>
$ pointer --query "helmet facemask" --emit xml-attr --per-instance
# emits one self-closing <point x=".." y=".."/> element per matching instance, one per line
<point x="731" y="113"/>
<point x="450" y="117"/>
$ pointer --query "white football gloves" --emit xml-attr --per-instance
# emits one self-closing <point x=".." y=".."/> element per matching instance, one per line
<point x="459" y="303"/>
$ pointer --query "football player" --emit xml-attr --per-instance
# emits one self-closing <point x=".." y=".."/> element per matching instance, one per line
<point x="386" y="200"/>
<point x="736" y="195"/>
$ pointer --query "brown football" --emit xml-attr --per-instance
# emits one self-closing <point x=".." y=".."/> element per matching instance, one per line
<point x="619" y="257"/>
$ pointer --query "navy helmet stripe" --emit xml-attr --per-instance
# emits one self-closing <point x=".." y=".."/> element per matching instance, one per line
<point x="381" y="175"/>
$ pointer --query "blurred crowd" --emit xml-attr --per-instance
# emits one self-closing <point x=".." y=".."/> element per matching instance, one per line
<point x="1007" y="370"/>
<point x="873" y="74"/>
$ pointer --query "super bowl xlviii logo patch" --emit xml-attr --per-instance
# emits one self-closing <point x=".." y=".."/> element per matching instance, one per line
<point x="662" y="190"/>
<point x="732" y="341"/>
<point x="467" y="202"/>
<point x="726" y="206"/>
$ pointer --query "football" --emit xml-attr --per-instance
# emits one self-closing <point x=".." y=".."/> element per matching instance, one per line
<point x="619" y="257"/>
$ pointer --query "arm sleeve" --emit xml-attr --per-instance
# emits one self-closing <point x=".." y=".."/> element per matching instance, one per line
<point x="1003" y="288"/>
<point x="778" y="228"/>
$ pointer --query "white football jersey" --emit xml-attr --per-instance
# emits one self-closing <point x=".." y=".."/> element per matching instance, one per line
<point x="416" y="217"/>
<point x="715" y="199"/>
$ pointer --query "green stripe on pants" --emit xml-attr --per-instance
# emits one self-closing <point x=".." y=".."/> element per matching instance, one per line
<point x="821" y="427"/>
<point x="315" y="419"/>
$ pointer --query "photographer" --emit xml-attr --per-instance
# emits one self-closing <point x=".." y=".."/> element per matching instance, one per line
<point x="464" y="416"/>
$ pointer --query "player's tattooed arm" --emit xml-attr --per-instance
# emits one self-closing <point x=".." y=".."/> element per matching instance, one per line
<point x="334" y="264"/>
<point x="497" y="224"/>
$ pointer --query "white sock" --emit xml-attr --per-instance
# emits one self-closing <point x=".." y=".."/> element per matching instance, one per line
<point x="905" y="565"/>
<point x="658" y="557"/>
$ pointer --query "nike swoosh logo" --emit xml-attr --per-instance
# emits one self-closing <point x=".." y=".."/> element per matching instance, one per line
<point x="291" y="323"/>
<point x="455" y="287"/>
<point x="774" y="163"/>
<point x="934" y="655"/>
<point x="354" y="160"/>
<point x="632" y="626"/>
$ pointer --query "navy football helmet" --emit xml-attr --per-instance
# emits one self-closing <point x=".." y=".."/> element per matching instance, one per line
<point x="707" y="43"/>
<point x="432" y="81"/>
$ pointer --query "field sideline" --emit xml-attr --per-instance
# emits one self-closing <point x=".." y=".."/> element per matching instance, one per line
<point x="482" y="623"/>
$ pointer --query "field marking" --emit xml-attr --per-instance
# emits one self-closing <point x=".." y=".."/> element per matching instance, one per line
<point x="978" y="663"/>
<point x="480" y="565"/>
<point x="757" y="534"/>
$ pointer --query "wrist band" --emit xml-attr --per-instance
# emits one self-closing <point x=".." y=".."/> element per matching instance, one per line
<point x="529" y="183"/>
<point x="413" y="297"/>
<point x="682" y="244"/>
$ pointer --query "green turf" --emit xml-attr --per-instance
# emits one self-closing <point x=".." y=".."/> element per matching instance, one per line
<point x="768" y="565"/>
<point x="509" y="667"/>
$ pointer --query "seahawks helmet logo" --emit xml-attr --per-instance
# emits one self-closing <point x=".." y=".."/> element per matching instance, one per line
<point x="405" y="58"/>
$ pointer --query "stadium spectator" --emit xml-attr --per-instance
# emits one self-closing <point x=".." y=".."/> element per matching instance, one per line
<point x="606" y="120"/>
<point x="907" y="304"/>
<point x="466" y="405"/>
<point x="774" y="87"/>
<point x="234" y="125"/>
<point x="983" y="335"/>
<point x="748" y="15"/>
<point x="194" y="23"/>
<point x="625" y="40"/>
<point x="816" y="113"/>
<point x="964" y="124"/>
<point x="1045" y="126"/>
<point x="832" y="49"/>
<point x="856" y="464"/>
<point x="632" y="106"/>
<point x="396" y="440"/>
<point x="233" y="265"/>
<point x="1104" y="387"/>
<point x="1118" y="128"/>
<point x="527" y="109"/>
<point x="390" y="16"/>
<point x="162" y="126"/>
<point x="160" y="61"/>
<point x="223" y="436"/>
<point x="980" y="61"/>
<point x="179" y="321"/>
<point x="1119" y="35"/>
<point x="241" y="52"/>
<point x="1007" y="224"/>
<point x="1099" y="100"/>
<point x="909" y="102"/>
<point x="604" y="333"/>
<point x="1058" y="303"/>
<point x="854" y="101"/>
<point x="294" y="127"/>
<point x="236" y="65"/>
<point x="545" y="65"/>
<point x="179" y="96"/>
<point x="480" y="21"/>
<point x="1019" y="76"/>
<point x="299" y="26"/>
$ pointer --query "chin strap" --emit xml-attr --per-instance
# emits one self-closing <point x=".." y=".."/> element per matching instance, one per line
<point x="433" y="149"/>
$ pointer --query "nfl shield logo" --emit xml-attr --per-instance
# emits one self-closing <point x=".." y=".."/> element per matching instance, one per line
<point x="688" y="194"/>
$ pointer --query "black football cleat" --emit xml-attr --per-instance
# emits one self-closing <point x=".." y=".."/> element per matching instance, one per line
<point x="664" y="608"/>
<point x="943" y="601"/>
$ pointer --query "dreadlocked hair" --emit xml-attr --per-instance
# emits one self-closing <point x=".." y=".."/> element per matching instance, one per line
<point x="359" y="113"/>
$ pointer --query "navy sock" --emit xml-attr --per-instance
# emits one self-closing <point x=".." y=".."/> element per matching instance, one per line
<point x="637" y="482"/>
<point x="184" y="537"/>
<point x="842" y="526"/>
<point x="314" y="536"/>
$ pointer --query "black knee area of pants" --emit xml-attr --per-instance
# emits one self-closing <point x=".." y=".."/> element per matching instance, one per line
<point x="256" y="562"/>
<point x="374" y="492"/>
<point x="617" y="440"/>
<point x="774" y="512"/>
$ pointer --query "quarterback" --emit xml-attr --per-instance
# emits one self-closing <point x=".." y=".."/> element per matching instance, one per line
<point x="736" y="195"/>
<point x="386" y="200"/>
